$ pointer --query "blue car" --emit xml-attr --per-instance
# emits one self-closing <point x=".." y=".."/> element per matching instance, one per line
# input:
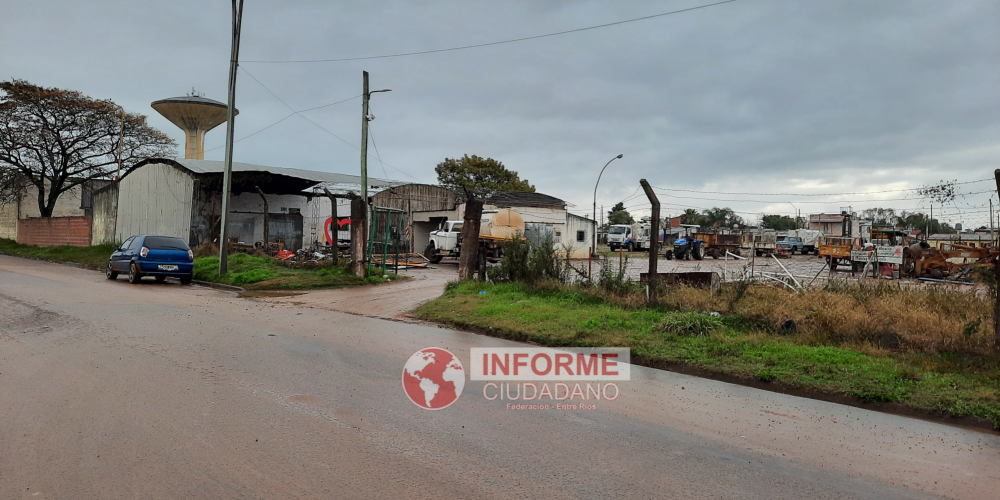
<point x="156" y="256"/>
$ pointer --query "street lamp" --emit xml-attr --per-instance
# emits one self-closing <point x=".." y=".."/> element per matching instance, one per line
<point x="593" y="249"/>
<point x="798" y="216"/>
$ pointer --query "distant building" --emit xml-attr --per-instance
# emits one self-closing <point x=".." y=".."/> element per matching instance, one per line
<point x="183" y="198"/>
<point x="972" y="239"/>
<point x="842" y="224"/>
<point x="77" y="201"/>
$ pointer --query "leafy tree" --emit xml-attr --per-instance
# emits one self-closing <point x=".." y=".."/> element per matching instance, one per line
<point x="880" y="216"/>
<point x="691" y="216"/>
<point x="779" y="222"/>
<point x="479" y="178"/>
<point x="58" y="139"/>
<point x="618" y="215"/>
<point x="721" y="217"/>
<point x="917" y="221"/>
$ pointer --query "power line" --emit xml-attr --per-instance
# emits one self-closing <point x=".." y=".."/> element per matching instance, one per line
<point x="299" y="113"/>
<point x="807" y="201"/>
<point x="255" y="133"/>
<point x="479" y="45"/>
<point x="810" y="194"/>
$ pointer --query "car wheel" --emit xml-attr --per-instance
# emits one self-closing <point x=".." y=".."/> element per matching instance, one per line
<point x="133" y="274"/>
<point x="160" y="279"/>
<point x="186" y="280"/>
<point x="111" y="274"/>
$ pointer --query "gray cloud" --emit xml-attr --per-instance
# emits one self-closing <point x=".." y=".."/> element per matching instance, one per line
<point x="752" y="96"/>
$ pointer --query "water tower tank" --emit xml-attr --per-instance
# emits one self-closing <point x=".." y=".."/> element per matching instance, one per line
<point x="195" y="115"/>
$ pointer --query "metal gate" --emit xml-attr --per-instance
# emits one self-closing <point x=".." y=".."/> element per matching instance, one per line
<point x="385" y="240"/>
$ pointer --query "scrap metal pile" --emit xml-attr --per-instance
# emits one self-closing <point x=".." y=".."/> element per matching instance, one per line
<point x="955" y="263"/>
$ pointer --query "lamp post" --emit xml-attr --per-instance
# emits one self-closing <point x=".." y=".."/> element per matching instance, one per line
<point x="593" y="248"/>
<point x="798" y="216"/>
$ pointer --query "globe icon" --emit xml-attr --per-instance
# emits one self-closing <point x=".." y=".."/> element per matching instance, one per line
<point x="433" y="378"/>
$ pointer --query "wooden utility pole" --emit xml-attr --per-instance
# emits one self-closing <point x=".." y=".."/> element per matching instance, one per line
<point x="359" y="211"/>
<point x="652" y="279"/>
<point x="996" y="288"/>
<point x="267" y="226"/>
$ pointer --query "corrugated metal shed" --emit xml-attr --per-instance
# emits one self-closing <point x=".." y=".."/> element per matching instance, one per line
<point x="217" y="167"/>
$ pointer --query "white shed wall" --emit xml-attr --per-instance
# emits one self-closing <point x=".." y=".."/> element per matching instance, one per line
<point x="155" y="199"/>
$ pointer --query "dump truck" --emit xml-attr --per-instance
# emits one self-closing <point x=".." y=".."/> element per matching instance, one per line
<point x="495" y="227"/>
<point x="761" y="243"/>
<point x="631" y="237"/>
<point x="837" y="248"/>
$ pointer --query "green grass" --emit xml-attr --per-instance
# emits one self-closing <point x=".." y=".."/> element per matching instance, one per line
<point x="265" y="273"/>
<point x="96" y="256"/>
<point x="948" y="384"/>
<point x="252" y="273"/>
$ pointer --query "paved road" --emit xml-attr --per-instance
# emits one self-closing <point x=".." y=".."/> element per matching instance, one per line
<point x="109" y="390"/>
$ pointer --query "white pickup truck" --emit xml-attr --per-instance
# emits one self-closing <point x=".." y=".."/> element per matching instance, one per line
<point x="444" y="241"/>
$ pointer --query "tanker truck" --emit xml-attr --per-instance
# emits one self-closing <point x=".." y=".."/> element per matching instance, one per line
<point x="495" y="227"/>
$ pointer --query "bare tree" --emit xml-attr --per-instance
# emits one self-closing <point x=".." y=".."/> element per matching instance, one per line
<point x="58" y="139"/>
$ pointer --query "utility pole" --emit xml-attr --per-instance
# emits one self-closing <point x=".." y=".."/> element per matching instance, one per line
<point x="996" y="276"/>
<point x="365" y="118"/>
<point x="227" y="176"/>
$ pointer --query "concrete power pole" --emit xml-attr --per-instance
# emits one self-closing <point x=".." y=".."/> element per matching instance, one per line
<point x="227" y="176"/>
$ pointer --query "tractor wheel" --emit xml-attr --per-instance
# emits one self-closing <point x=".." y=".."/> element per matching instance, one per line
<point x="698" y="252"/>
<point x="669" y="254"/>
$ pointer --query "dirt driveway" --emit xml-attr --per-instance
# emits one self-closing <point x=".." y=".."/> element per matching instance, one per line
<point x="390" y="301"/>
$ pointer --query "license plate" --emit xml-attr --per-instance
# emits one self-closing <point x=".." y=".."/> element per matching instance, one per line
<point x="167" y="267"/>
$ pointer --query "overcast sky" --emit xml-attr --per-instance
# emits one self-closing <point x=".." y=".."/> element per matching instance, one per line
<point x="754" y="96"/>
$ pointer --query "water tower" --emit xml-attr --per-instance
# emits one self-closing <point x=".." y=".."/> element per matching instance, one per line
<point x="195" y="115"/>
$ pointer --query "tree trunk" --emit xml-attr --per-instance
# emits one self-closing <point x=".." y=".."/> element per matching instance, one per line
<point x="470" y="239"/>
<point x="267" y="227"/>
<point x="358" y="236"/>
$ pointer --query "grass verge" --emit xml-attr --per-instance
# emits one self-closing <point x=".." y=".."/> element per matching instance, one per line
<point x="730" y="347"/>
<point x="265" y="273"/>
<point x="96" y="256"/>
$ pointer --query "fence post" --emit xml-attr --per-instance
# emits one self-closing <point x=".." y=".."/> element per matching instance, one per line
<point x="652" y="279"/>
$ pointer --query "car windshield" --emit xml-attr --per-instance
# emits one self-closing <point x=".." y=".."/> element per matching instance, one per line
<point x="617" y="230"/>
<point x="165" y="243"/>
<point x="457" y="228"/>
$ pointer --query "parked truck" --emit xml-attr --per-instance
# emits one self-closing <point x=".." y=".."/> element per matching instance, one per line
<point x="495" y="227"/>
<point x="803" y="241"/>
<point x="631" y="237"/>
<point x="761" y="243"/>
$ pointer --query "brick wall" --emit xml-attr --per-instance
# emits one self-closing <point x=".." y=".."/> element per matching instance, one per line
<point x="55" y="231"/>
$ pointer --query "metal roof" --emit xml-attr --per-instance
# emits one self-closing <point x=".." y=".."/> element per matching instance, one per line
<point x="217" y="167"/>
<point x="524" y="199"/>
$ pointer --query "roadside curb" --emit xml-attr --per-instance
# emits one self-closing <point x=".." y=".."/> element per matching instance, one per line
<point x="219" y="286"/>
<point x="969" y="422"/>
<point x="63" y="262"/>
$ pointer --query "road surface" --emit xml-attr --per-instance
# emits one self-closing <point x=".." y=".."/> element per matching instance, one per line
<point x="110" y="390"/>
